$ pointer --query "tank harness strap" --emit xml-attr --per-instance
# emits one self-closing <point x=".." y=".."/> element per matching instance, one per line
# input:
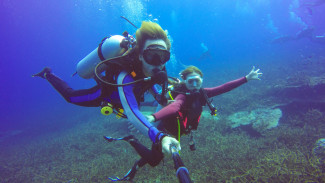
<point x="99" y="49"/>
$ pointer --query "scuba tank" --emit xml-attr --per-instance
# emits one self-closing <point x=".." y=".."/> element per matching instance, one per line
<point x="110" y="47"/>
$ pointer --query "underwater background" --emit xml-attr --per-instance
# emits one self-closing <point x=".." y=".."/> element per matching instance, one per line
<point x="271" y="130"/>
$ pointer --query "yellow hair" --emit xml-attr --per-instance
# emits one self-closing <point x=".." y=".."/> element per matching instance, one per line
<point x="150" y="30"/>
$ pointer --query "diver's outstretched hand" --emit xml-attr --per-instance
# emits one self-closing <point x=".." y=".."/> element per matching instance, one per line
<point x="254" y="74"/>
<point x="166" y="142"/>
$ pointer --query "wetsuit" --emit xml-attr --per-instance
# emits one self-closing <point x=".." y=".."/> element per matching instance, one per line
<point x="169" y="124"/>
<point x="127" y="97"/>
<point x="182" y="107"/>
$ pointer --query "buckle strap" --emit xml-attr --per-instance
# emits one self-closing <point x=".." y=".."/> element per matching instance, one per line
<point x="99" y="49"/>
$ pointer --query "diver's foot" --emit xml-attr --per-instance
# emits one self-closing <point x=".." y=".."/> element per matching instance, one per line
<point x="43" y="73"/>
<point x="128" y="176"/>
<point x="127" y="138"/>
<point x="111" y="139"/>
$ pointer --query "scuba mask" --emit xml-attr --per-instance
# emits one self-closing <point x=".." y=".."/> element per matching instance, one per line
<point x="193" y="82"/>
<point x="156" y="57"/>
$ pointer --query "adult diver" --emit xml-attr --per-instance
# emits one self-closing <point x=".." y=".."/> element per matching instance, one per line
<point x="128" y="75"/>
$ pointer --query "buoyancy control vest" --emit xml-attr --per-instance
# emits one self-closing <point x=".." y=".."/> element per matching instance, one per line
<point x="190" y="113"/>
<point x="105" y="63"/>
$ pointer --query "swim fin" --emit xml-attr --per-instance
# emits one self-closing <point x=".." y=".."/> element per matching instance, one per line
<point x="43" y="73"/>
<point x="128" y="176"/>
<point x="127" y="138"/>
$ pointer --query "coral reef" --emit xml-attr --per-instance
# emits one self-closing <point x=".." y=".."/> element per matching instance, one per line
<point x="207" y="116"/>
<point x="79" y="154"/>
<point x="260" y="119"/>
<point x="287" y="153"/>
<point x="319" y="153"/>
<point x="281" y="165"/>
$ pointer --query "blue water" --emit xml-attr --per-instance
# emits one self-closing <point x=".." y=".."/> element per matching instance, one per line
<point x="224" y="38"/>
<point x="36" y="33"/>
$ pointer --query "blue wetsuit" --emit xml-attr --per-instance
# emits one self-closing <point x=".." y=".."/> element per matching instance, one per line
<point x="128" y="97"/>
<point x="130" y="106"/>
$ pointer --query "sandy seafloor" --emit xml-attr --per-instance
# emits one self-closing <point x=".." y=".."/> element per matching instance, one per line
<point x="224" y="154"/>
